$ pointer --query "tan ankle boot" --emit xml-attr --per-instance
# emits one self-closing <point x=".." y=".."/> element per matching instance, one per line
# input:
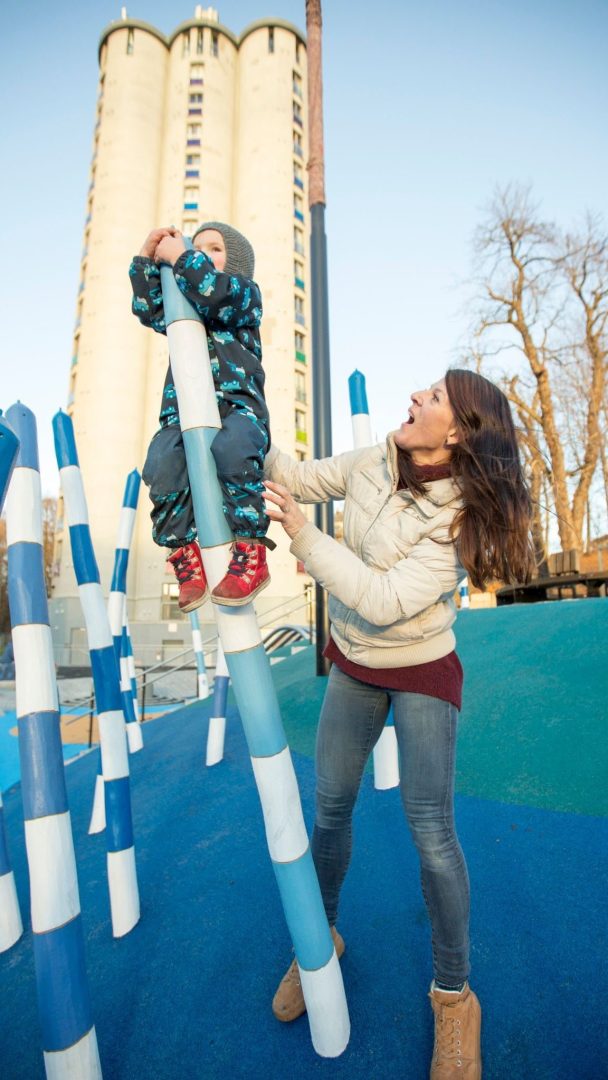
<point x="288" y="1002"/>
<point x="457" y="1051"/>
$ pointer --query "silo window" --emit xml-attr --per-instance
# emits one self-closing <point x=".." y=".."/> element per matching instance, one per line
<point x="130" y="38"/>
<point x="271" y="39"/>
<point x="214" y="43"/>
<point x="199" y="40"/>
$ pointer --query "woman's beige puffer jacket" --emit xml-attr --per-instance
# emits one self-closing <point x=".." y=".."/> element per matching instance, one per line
<point x="392" y="582"/>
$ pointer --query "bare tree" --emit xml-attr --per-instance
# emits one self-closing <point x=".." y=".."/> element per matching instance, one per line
<point x="543" y="309"/>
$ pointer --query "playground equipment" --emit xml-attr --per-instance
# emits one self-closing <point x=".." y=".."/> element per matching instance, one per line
<point x="11" y="926"/>
<point x="385" y="752"/>
<point x="197" y="644"/>
<point x="250" y="674"/>
<point x="68" y="1034"/>
<point x="117" y="608"/>
<point x="122" y="874"/>
<point x="217" y="722"/>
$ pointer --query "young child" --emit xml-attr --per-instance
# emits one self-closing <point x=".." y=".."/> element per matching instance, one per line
<point x="216" y="277"/>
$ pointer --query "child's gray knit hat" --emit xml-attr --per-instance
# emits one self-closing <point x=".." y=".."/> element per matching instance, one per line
<point x="240" y="257"/>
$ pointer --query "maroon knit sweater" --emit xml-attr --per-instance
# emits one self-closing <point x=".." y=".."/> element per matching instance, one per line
<point x="439" y="678"/>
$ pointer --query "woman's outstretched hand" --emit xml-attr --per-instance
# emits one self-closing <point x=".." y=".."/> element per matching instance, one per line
<point x="282" y="507"/>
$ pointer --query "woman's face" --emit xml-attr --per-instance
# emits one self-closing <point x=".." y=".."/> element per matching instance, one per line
<point x="431" y="426"/>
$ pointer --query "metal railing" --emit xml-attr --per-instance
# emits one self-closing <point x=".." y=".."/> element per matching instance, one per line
<point x="277" y="637"/>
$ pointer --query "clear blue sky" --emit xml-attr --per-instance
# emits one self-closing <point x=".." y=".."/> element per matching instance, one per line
<point x="428" y="107"/>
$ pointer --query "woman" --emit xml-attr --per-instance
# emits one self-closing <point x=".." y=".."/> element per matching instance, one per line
<point x="443" y="497"/>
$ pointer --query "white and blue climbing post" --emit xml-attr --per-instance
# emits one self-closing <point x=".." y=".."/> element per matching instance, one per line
<point x="202" y="684"/>
<point x="11" y="925"/>
<point x="385" y="754"/>
<point x="69" y="1041"/>
<point x="117" y="607"/>
<point x="254" y="689"/>
<point x="463" y="592"/>
<point x="217" y="721"/>
<point x="122" y="874"/>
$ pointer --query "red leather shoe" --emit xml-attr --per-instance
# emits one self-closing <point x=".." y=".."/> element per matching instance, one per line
<point x="188" y="567"/>
<point x="247" y="575"/>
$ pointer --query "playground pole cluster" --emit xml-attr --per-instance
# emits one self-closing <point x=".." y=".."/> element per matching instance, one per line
<point x="122" y="874"/>
<point x="249" y="670"/>
<point x="117" y="609"/>
<point x="68" y="1034"/>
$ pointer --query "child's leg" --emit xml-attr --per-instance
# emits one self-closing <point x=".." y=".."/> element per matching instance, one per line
<point x="173" y="526"/>
<point x="166" y="474"/>
<point x="239" y="449"/>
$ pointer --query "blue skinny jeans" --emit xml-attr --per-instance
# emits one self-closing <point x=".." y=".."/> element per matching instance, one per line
<point x="352" y="718"/>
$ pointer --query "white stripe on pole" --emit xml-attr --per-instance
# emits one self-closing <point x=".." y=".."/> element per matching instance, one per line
<point x="26" y="527"/>
<point x="33" y="648"/>
<point x="53" y="880"/>
<point x="285" y="830"/>
<point x="76" y="1062"/>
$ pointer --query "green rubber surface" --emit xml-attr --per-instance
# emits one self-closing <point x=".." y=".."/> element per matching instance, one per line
<point x="533" y="728"/>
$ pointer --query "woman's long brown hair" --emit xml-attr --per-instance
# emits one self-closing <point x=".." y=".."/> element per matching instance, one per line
<point x="492" y="530"/>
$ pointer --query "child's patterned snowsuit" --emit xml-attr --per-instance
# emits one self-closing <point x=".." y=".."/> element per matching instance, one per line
<point x="231" y="307"/>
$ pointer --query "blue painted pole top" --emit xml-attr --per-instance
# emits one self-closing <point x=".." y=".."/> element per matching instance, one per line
<point x="175" y="305"/>
<point x="9" y="448"/>
<point x="23" y="423"/>
<point x="357" y="393"/>
<point x="132" y="490"/>
<point x="65" y="443"/>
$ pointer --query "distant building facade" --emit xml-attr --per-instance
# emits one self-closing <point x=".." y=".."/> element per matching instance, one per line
<point x="200" y="125"/>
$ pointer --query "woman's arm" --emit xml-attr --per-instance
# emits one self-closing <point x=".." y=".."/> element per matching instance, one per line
<point x="381" y="597"/>
<point x="310" y="481"/>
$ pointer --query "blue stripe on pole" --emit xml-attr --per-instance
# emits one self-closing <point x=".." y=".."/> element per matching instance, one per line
<point x="5" y="862"/>
<point x="204" y="485"/>
<point x="257" y="701"/>
<point x="128" y="707"/>
<point x="304" y="911"/>
<point x="42" y="771"/>
<point x="132" y="490"/>
<point x="119" y="826"/>
<point x="106" y="679"/>
<point x="357" y="393"/>
<point x="83" y="556"/>
<point x="26" y="590"/>
<point x="220" y="694"/>
<point x="9" y="448"/>
<point x="65" y="443"/>
<point x="23" y="423"/>
<point x="61" y="980"/>
<point x="119" y="575"/>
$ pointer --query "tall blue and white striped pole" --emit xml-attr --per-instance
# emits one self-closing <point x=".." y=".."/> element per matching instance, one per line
<point x="122" y="874"/>
<point x="254" y="690"/>
<point x="11" y="926"/>
<point x="385" y="753"/>
<point x="69" y="1041"/>
<point x="117" y="604"/>
<point x="217" y="722"/>
<point x="202" y="684"/>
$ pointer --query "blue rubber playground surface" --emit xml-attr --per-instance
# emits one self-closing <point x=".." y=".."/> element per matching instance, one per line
<point x="187" y="993"/>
